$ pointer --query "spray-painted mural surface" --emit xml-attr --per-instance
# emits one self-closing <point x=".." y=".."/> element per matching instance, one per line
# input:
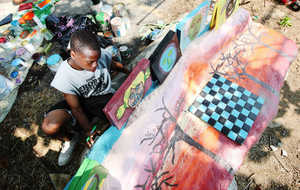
<point x="165" y="146"/>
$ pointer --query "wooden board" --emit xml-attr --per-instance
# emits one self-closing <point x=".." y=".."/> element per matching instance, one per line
<point x="165" y="57"/>
<point x="129" y="95"/>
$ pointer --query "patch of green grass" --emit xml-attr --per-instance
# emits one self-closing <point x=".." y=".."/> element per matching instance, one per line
<point x="285" y="22"/>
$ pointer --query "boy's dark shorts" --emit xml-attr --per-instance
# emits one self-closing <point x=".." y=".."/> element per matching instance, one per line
<point x="91" y="106"/>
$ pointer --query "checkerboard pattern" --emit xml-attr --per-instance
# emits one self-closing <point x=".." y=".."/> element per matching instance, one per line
<point x="227" y="107"/>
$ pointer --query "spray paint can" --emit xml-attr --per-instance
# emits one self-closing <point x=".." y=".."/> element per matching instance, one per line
<point x="125" y="52"/>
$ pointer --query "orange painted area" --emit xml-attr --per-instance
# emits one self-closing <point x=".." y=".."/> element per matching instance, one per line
<point x="190" y="169"/>
<point x="43" y="3"/>
<point x="27" y="16"/>
<point x="209" y="139"/>
<point x="193" y="77"/>
<point x="261" y="62"/>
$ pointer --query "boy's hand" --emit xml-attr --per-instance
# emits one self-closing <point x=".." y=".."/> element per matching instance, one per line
<point x="117" y="66"/>
<point x="92" y="137"/>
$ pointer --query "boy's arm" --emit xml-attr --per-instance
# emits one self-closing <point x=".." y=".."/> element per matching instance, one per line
<point x="78" y="113"/>
<point x="117" y="66"/>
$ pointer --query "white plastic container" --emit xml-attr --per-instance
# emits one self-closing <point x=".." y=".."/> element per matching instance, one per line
<point x="54" y="62"/>
<point x="118" y="26"/>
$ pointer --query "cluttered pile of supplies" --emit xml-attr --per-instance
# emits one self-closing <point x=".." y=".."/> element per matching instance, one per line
<point x="30" y="34"/>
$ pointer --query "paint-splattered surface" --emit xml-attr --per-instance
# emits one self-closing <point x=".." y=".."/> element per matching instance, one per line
<point x="165" y="147"/>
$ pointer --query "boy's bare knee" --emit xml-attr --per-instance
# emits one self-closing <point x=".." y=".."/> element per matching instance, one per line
<point x="49" y="128"/>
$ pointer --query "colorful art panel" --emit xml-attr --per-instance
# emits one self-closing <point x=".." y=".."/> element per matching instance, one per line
<point x="223" y="9"/>
<point x="193" y="25"/>
<point x="165" y="56"/>
<point x="129" y="95"/>
<point x="90" y="175"/>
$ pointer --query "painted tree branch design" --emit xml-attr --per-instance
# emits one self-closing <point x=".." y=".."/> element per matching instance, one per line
<point x="233" y="67"/>
<point x="159" y="138"/>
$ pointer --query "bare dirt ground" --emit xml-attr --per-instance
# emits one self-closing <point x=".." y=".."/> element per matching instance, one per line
<point x="27" y="156"/>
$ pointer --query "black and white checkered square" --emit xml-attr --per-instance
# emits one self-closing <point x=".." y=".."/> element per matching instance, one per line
<point x="229" y="108"/>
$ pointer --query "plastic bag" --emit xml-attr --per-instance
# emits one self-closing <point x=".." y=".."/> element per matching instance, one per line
<point x="62" y="27"/>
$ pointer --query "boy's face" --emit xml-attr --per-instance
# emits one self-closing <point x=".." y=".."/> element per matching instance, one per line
<point x="86" y="59"/>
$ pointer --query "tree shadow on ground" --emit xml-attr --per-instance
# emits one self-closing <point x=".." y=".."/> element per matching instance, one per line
<point x="19" y="168"/>
<point x="288" y="98"/>
<point x="271" y="136"/>
<point x="248" y="183"/>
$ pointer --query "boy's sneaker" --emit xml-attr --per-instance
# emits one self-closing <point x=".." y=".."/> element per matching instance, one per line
<point x="67" y="150"/>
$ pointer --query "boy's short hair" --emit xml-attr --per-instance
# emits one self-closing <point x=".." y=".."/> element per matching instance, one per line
<point x="84" y="39"/>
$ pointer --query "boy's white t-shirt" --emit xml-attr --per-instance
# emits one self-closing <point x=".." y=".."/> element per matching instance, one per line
<point x="85" y="83"/>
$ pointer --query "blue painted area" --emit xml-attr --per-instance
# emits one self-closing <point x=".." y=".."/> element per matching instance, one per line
<point x="251" y="101"/>
<point x="222" y="105"/>
<point x="199" y="99"/>
<point x="205" y="117"/>
<point x="216" y="88"/>
<point x="183" y="25"/>
<point x="243" y="134"/>
<point x="218" y="126"/>
<point x="213" y="80"/>
<point x="249" y="122"/>
<point x="193" y="109"/>
<point x="212" y="107"/>
<point x="226" y="87"/>
<point x="228" y="94"/>
<point x="241" y="102"/>
<point x="245" y="112"/>
<point x="228" y="124"/>
<point x="218" y="96"/>
<point x="225" y="114"/>
<point x="215" y="116"/>
<point x="255" y="110"/>
<point x="239" y="123"/>
<point x="260" y="100"/>
<point x="104" y="144"/>
<point x="209" y="97"/>
<point x="168" y="58"/>
<point x="237" y="93"/>
<point x="206" y="89"/>
<point x="247" y="92"/>
<point x="202" y="108"/>
<point x="232" y="135"/>
<point x="235" y="113"/>
<point x="222" y="79"/>
<point x="234" y="86"/>
<point x="231" y="104"/>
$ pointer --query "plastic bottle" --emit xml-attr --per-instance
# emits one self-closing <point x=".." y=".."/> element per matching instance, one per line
<point x="47" y="34"/>
<point x="54" y="62"/>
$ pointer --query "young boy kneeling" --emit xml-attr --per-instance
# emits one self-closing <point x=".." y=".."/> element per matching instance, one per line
<point x="85" y="82"/>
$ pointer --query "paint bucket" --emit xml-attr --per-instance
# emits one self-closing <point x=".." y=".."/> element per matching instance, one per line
<point x="54" y="62"/>
<point x="125" y="52"/>
<point x="108" y="35"/>
<point x="118" y="26"/>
